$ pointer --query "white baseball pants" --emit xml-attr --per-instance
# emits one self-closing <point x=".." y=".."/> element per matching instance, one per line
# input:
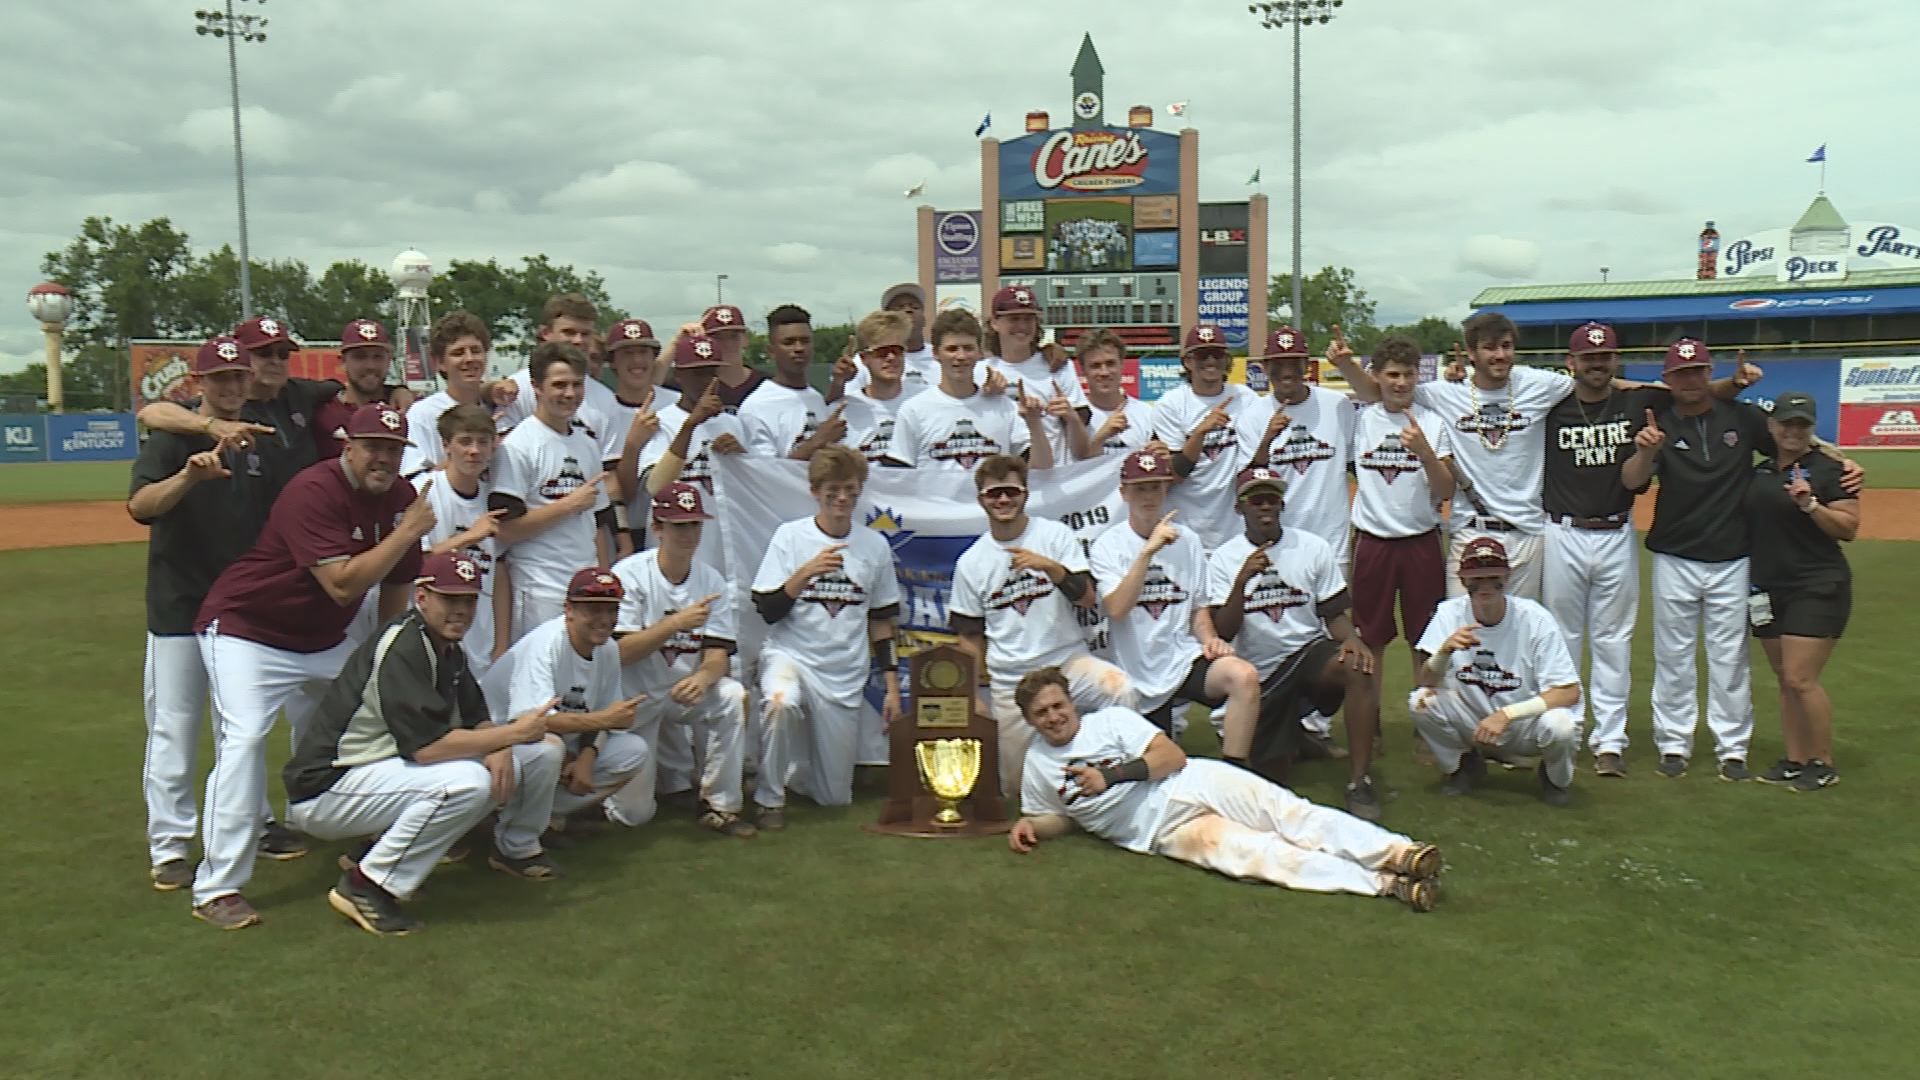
<point x="1447" y="723"/>
<point x="367" y="619"/>
<point x="250" y="684"/>
<point x="717" y="723"/>
<point x="416" y="811"/>
<point x="1591" y="580"/>
<point x="1223" y="818"/>
<point x="174" y="686"/>
<point x="1523" y="552"/>
<point x="1686" y="595"/>
<point x="1091" y="682"/>
<point x="528" y="811"/>
<point x="808" y="736"/>
<point x="533" y="606"/>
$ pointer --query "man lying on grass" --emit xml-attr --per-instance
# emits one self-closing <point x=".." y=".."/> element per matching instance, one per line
<point x="1115" y="775"/>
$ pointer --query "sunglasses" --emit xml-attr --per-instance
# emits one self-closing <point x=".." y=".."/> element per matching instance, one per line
<point x="1009" y="491"/>
<point x="886" y="352"/>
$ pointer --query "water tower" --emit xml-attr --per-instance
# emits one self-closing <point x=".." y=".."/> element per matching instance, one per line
<point x="411" y="274"/>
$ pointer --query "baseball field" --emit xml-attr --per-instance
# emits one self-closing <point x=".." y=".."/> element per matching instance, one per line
<point x="1657" y="928"/>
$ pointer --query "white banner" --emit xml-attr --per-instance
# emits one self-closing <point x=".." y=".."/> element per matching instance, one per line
<point x="1880" y="380"/>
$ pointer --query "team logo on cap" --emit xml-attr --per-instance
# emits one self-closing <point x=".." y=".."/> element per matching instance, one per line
<point x="269" y="327"/>
<point x="1285" y="341"/>
<point x="723" y="315"/>
<point x="1262" y="473"/>
<point x="633" y="330"/>
<point x="366" y="330"/>
<point x="1148" y="462"/>
<point x="702" y="349"/>
<point x="1022" y="296"/>
<point x="391" y="419"/>
<point x="1686" y="350"/>
<point x="1205" y="333"/>
<point x="465" y="570"/>
<point x="227" y="350"/>
<point x="1597" y="336"/>
<point x="687" y="501"/>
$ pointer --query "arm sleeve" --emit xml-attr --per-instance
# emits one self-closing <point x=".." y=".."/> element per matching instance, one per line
<point x="1825" y="478"/>
<point x="757" y="433"/>
<point x="532" y="681"/>
<point x="606" y="687"/>
<point x="776" y="566"/>
<point x="1166" y="425"/>
<point x="412" y="706"/>
<point x="425" y="437"/>
<point x="723" y="617"/>
<point x="1332" y="581"/>
<point x="161" y="457"/>
<point x="1439" y="435"/>
<point x="316" y="528"/>
<point x="904" y="446"/>
<point x="469" y="698"/>
<point x="1754" y="419"/>
<point x="632" y="616"/>
<point x="399" y="497"/>
<point x="1068" y="550"/>
<point x="886" y="586"/>
<point x="1220" y="575"/>
<point x="1550" y="385"/>
<point x="965" y="598"/>
<point x="1107" y="561"/>
<point x="1437" y="633"/>
<point x="1133" y="730"/>
<point x="1019" y="438"/>
<point x="1039" y="796"/>
<point x="511" y="477"/>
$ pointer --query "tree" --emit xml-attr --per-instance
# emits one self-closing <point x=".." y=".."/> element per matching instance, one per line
<point x="508" y="300"/>
<point x="1330" y="297"/>
<point x="126" y="283"/>
<point x="1433" y="334"/>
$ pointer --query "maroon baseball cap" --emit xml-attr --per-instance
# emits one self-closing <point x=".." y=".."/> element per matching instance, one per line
<point x="1592" y="338"/>
<point x="450" y="573"/>
<point x="1260" y="476"/>
<point x="1143" y="466"/>
<point x="594" y="583"/>
<point x="377" y="421"/>
<point x="364" y="332"/>
<point x="695" y="350"/>
<point x="220" y="354"/>
<point x="1484" y="557"/>
<point x="1013" y="299"/>
<point x="1686" y="353"/>
<point x="1204" y="336"/>
<point x="262" y="331"/>
<point x="721" y="318"/>
<point x="1285" y="343"/>
<point x="679" y="502"/>
<point x="631" y="332"/>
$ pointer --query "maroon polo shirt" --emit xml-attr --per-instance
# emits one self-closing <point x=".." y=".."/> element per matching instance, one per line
<point x="270" y="596"/>
<point x="330" y="421"/>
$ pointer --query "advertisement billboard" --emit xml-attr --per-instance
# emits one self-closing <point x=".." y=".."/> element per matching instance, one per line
<point x="92" y="437"/>
<point x="1089" y="236"/>
<point x="23" y="437"/>
<point x="158" y="369"/>
<point x="1223" y="238"/>
<point x="1224" y="303"/>
<point x="1090" y="162"/>
<point x="1023" y="215"/>
<point x="1156" y="249"/>
<point x="956" y="246"/>
<point x="1023" y="252"/>
<point x="1879" y="401"/>
<point x="1156" y="212"/>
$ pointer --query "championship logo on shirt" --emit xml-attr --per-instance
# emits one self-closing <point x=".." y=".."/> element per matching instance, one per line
<point x="1492" y="424"/>
<point x="1069" y="788"/>
<point x="699" y="469"/>
<point x="875" y="445"/>
<point x="1486" y="673"/>
<point x="1270" y="594"/>
<point x="834" y="591"/>
<point x="683" y="643"/>
<point x="1160" y="592"/>
<point x="1300" y="450"/>
<point x="1020" y="589"/>
<point x="1390" y="459"/>
<point x="1217" y="442"/>
<point x="807" y="430"/>
<point x="964" y="444"/>
<point x="481" y="557"/>
<point x="582" y="425"/>
<point x="574" y="700"/>
<point x="568" y="480"/>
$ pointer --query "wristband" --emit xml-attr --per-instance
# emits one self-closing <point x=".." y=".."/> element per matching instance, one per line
<point x="883" y="658"/>
<point x="1127" y="771"/>
<point x="1440" y="661"/>
<point x="1812" y="505"/>
<point x="1527" y="709"/>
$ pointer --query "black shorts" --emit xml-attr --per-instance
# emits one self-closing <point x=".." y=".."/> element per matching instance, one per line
<point x="1813" y="611"/>
<point x="1193" y="689"/>
<point x="1285" y="697"/>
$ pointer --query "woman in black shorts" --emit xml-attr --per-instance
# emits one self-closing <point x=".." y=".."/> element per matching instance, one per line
<point x="1803" y="589"/>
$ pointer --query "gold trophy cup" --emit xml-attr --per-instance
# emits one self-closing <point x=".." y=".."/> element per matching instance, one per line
<point x="949" y="768"/>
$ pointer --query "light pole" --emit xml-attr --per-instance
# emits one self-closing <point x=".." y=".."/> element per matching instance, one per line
<point x="236" y="29"/>
<point x="719" y="289"/>
<point x="51" y="303"/>
<point x="1292" y="15"/>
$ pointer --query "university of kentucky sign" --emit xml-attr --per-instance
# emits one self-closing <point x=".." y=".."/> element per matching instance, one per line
<point x="1101" y="161"/>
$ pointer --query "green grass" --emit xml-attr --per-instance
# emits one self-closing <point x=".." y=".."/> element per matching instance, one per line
<point x="64" y="481"/>
<point x="1658" y="928"/>
<point x="1887" y="469"/>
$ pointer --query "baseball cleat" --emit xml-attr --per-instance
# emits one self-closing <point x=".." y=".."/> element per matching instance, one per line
<point x="1420" y="894"/>
<point x="1361" y="800"/>
<point x="1784" y="771"/>
<point x="229" y="912"/>
<point x="1460" y="781"/>
<point x="457" y="853"/>
<point x="1733" y="770"/>
<point x="1609" y="764"/>
<point x="1421" y="862"/>
<point x="1551" y="793"/>
<point x="535" y="867"/>
<point x="351" y="858"/>
<point x="281" y="843"/>
<point x="170" y="876"/>
<point x="771" y="818"/>
<point x="1816" y="775"/>
<point x="371" y="908"/>
<point x="727" y="823"/>
<point x="1672" y="766"/>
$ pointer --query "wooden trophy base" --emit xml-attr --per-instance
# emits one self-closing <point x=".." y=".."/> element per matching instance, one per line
<point x="919" y="821"/>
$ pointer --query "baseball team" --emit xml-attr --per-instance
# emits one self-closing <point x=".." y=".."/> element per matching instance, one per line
<point x="496" y="616"/>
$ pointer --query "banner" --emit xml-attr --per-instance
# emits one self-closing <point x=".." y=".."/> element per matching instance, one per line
<point x="23" y="437"/>
<point x="159" y="369"/>
<point x="92" y="437"/>
<point x="1880" y="402"/>
<point x="1225" y="302"/>
<point x="929" y="519"/>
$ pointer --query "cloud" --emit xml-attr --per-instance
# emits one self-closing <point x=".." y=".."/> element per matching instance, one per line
<point x="1500" y="257"/>
<point x="793" y="255"/>
<point x="267" y="137"/>
<point x="629" y="186"/>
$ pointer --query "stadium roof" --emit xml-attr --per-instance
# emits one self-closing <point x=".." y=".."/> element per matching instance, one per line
<point x="1637" y="290"/>
<point x="1820" y="215"/>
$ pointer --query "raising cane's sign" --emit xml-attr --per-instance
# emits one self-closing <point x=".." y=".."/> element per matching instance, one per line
<point x="1100" y="161"/>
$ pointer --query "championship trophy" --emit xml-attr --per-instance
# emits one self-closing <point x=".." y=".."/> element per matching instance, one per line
<point x="943" y="753"/>
<point x="949" y="768"/>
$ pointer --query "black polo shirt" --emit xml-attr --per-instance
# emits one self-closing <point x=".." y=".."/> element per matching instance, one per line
<point x="214" y="523"/>
<point x="1789" y="550"/>
<point x="294" y="414"/>
<point x="1587" y="444"/>
<point x="1704" y="465"/>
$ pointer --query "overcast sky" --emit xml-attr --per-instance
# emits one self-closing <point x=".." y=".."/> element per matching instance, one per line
<point x="1448" y="146"/>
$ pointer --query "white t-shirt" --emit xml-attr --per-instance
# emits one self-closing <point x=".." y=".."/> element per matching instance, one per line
<point x="651" y="598"/>
<point x="1043" y="383"/>
<point x="544" y="665"/>
<point x="1205" y="498"/>
<point x="453" y="515"/>
<point x="1499" y="440"/>
<point x="870" y="421"/>
<point x="918" y="371"/>
<point x="595" y="401"/>
<point x="1139" y="426"/>
<point x="939" y="431"/>
<point x="1029" y="622"/>
<point x="1282" y="602"/>
<point x="777" y="418"/>
<point x="1128" y="815"/>
<point x="619" y="419"/>
<point x="698" y="469"/>
<point x="1522" y="656"/>
<point x="1154" y="643"/>
<point x="1391" y="497"/>
<point x="423" y="431"/>
<point x="1311" y="454"/>
<point x="826" y="629"/>
<point x="539" y="466"/>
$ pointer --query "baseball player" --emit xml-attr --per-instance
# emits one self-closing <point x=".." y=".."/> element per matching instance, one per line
<point x="694" y="428"/>
<point x="960" y="423"/>
<point x="1011" y="608"/>
<point x="366" y="357"/>
<point x="548" y="478"/>
<point x="633" y="421"/>
<point x="1196" y="422"/>
<point x="571" y="665"/>
<point x="734" y="381"/>
<point x="401" y="747"/>
<point x="1279" y="596"/>
<point x="1152" y="575"/>
<point x="1118" y="777"/>
<point x="1120" y="424"/>
<point x="676" y="635"/>
<point x="786" y="417"/>
<point x="1495" y="680"/>
<point x="566" y="319"/>
<point x="459" y="493"/>
<point x="874" y="406"/>
<point x="203" y="507"/>
<point x="828" y="593"/>
<point x="1016" y="352"/>
<point x="917" y="370"/>
<point x="273" y="631"/>
<point x="457" y="347"/>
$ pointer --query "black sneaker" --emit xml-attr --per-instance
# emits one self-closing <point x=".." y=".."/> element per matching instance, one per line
<point x="1361" y="800"/>
<point x="1672" y="766"/>
<point x="1784" y="771"/>
<point x="1733" y="770"/>
<point x="1816" y="775"/>
<point x="1460" y="781"/>
<point x="371" y="908"/>
<point x="1551" y="793"/>
<point x="281" y="843"/>
<point x="170" y="876"/>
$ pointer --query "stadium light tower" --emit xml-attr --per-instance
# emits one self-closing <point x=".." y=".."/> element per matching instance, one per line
<point x="236" y="29"/>
<point x="1292" y="15"/>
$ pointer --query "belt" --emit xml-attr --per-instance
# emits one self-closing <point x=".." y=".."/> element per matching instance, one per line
<point x="1595" y="524"/>
<point x="1491" y="524"/>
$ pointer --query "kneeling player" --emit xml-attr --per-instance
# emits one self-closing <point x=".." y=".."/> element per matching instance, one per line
<point x="1496" y="680"/>
<point x="401" y="746"/>
<point x="1115" y="775"/>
